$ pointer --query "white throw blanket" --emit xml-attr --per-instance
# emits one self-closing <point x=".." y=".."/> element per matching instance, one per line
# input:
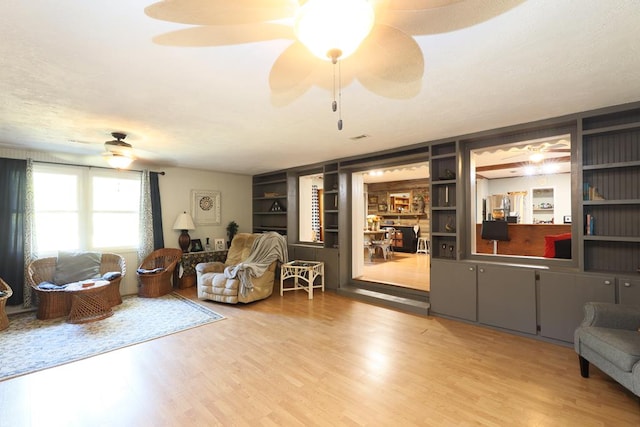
<point x="267" y="248"/>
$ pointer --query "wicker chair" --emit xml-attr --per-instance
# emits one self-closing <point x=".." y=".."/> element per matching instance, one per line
<point x="4" y="320"/>
<point x="159" y="283"/>
<point x="53" y="303"/>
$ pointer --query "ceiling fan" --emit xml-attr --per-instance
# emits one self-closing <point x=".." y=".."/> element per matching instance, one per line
<point x="389" y="62"/>
<point x="118" y="153"/>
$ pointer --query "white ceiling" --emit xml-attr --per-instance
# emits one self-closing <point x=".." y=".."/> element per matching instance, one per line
<point x="74" y="71"/>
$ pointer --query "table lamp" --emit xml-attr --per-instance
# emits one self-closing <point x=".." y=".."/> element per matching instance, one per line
<point x="184" y="223"/>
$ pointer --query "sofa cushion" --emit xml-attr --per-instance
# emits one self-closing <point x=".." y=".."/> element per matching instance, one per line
<point x="77" y="266"/>
<point x="619" y="346"/>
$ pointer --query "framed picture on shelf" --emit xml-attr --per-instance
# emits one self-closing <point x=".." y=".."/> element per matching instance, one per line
<point x="219" y="245"/>
<point x="205" y="207"/>
<point x="373" y="200"/>
<point x="196" y="245"/>
<point x="382" y="208"/>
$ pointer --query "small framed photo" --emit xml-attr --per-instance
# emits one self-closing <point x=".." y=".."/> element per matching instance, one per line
<point x="566" y="219"/>
<point x="196" y="245"/>
<point x="219" y="245"/>
<point x="373" y="200"/>
<point x="382" y="208"/>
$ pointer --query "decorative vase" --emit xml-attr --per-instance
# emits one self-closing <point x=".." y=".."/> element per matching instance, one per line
<point x="450" y="226"/>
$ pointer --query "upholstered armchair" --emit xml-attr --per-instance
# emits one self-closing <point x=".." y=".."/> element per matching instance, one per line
<point x="48" y="277"/>
<point x="155" y="272"/>
<point x="609" y="338"/>
<point x="249" y="272"/>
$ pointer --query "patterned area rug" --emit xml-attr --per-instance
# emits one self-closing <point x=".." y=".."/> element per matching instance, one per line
<point x="29" y="344"/>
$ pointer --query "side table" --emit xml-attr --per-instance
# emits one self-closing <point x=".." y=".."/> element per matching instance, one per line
<point x="89" y="301"/>
<point x="302" y="270"/>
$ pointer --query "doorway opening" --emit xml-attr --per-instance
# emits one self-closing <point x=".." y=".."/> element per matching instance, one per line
<point x="390" y="213"/>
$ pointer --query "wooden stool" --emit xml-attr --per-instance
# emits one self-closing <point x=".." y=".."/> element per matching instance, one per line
<point x="423" y="246"/>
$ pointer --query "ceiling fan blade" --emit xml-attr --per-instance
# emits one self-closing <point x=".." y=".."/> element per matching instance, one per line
<point x="289" y="77"/>
<point x="296" y="70"/>
<point x="220" y="12"/>
<point x="417" y="4"/>
<point x="456" y="16"/>
<point x="291" y="68"/>
<point x="224" y="36"/>
<point x="394" y="63"/>
<point x="391" y="55"/>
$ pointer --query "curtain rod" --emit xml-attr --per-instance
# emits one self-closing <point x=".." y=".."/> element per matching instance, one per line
<point x="97" y="167"/>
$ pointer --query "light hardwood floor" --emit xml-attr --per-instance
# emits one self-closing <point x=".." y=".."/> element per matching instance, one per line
<point x="329" y="361"/>
<point x="401" y="269"/>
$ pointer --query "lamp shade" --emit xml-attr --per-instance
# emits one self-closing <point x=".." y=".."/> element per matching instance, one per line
<point x="326" y="26"/>
<point x="184" y="222"/>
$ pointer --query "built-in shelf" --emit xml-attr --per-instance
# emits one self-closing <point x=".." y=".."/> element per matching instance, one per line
<point x="611" y="199"/>
<point x="270" y="203"/>
<point x="443" y="170"/>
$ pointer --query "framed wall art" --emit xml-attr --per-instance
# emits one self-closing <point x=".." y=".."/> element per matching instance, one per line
<point x="205" y="207"/>
<point x="220" y="246"/>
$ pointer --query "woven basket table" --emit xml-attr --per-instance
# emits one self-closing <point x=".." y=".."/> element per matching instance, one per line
<point x="89" y="301"/>
<point x="4" y="320"/>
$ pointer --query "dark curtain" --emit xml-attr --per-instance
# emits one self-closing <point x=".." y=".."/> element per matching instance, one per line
<point x="13" y="195"/>
<point x="156" y="211"/>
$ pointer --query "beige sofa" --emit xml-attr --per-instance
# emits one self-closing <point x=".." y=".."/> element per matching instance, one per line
<point x="213" y="284"/>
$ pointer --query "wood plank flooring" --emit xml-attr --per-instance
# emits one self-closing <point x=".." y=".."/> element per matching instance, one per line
<point x="402" y="269"/>
<point x="330" y="361"/>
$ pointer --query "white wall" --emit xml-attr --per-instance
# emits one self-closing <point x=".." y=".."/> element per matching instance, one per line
<point x="175" y="194"/>
<point x="560" y="182"/>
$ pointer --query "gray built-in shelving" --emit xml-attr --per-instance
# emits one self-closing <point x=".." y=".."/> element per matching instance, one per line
<point x="331" y="205"/>
<point x="444" y="162"/>
<point x="270" y="203"/>
<point x="611" y="192"/>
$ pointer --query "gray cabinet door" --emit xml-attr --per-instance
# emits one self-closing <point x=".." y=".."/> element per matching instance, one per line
<point x="507" y="297"/>
<point x="453" y="289"/>
<point x="562" y="299"/>
<point x="330" y="257"/>
<point x="629" y="291"/>
<point x="331" y="266"/>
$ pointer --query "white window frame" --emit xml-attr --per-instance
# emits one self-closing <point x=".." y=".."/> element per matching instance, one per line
<point x="84" y="196"/>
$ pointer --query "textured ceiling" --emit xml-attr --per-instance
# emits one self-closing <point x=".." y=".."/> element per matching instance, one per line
<point x="249" y="100"/>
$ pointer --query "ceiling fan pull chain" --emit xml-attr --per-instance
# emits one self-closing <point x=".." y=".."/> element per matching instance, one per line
<point x="339" y="96"/>
<point x="334" y="104"/>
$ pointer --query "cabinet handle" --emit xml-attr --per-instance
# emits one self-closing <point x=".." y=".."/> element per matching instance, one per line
<point x="627" y="284"/>
<point x="607" y="282"/>
<point x="482" y="270"/>
<point x="470" y="268"/>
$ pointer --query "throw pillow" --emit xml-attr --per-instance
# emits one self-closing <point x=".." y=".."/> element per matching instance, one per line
<point x="77" y="266"/>
<point x="111" y="275"/>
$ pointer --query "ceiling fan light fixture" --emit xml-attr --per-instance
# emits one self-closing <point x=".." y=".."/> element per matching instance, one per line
<point x="333" y="29"/>
<point x="118" y="154"/>
<point x="118" y="161"/>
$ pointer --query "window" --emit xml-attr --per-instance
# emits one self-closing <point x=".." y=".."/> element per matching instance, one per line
<point x="85" y="209"/>
<point x="310" y="190"/>
<point x="527" y="186"/>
